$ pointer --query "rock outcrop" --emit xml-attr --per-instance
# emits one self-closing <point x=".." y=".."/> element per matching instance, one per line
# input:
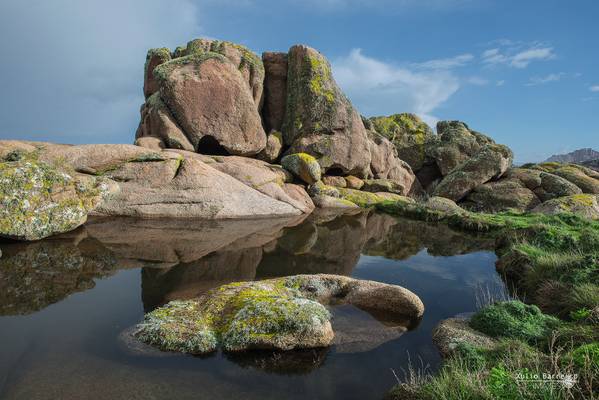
<point x="319" y="119"/>
<point x="282" y="313"/>
<point x="176" y="183"/>
<point x="585" y="205"/>
<point x="213" y="96"/>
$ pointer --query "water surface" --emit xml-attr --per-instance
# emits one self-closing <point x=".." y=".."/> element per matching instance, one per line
<point x="65" y="301"/>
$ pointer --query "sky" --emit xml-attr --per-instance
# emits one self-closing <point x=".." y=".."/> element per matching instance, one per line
<point x="524" y="72"/>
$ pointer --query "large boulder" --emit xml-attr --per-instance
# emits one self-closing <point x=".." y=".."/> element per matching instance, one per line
<point x="585" y="178"/>
<point x="39" y="200"/>
<point x="585" y="205"/>
<point x="521" y="189"/>
<point x="408" y="133"/>
<point x="319" y="119"/>
<point x="385" y="164"/>
<point x="212" y="103"/>
<point x="282" y="314"/>
<point x="454" y="144"/>
<point x="491" y="162"/>
<point x="206" y="96"/>
<point x="275" y="89"/>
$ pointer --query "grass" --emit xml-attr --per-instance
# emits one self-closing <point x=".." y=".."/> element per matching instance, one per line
<point x="552" y="261"/>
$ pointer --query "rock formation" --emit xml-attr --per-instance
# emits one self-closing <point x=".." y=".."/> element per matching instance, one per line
<point x="577" y="156"/>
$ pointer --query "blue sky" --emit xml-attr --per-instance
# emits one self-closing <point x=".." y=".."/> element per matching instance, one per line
<point x="524" y="72"/>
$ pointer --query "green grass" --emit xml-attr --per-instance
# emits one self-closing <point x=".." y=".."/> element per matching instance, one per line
<point x="552" y="261"/>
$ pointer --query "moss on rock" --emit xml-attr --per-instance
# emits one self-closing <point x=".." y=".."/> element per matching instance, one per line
<point x="303" y="166"/>
<point x="39" y="200"/>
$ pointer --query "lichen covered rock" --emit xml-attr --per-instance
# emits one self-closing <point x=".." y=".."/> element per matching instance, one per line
<point x="585" y="205"/>
<point x="303" y="166"/>
<point x="490" y="162"/>
<point x="38" y="200"/>
<point x="273" y="148"/>
<point x="585" y="178"/>
<point x="319" y="119"/>
<point x="408" y="133"/>
<point x="282" y="313"/>
<point x="383" y="185"/>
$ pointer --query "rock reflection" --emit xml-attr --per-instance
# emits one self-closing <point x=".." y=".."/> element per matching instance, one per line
<point x="182" y="259"/>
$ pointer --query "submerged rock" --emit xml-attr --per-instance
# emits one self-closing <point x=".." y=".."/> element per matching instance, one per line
<point x="283" y="314"/>
<point x="39" y="200"/>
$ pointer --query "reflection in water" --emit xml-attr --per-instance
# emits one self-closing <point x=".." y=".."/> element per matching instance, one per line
<point x="74" y="342"/>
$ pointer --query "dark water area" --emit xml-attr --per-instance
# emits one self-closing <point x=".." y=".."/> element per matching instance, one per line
<point x="65" y="302"/>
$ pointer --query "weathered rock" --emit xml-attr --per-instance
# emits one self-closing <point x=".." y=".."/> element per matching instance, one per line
<point x="150" y="142"/>
<point x="454" y="144"/>
<point x="154" y="58"/>
<point x="268" y="179"/>
<point x="453" y="332"/>
<point x="283" y="313"/>
<point x="157" y="122"/>
<point x="383" y="185"/>
<point x="354" y="182"/>
<point x="38" y="200"/>
<point x="275" y="89"/>
<point x="385" y="164"/>
<point x="274" y="146"/>
<point x="442" y="204"/>
<point x="337" y="181"/>
<point x="500" y="196"/>
<point x="489" y="163"/>
<point x="212" y="103"/>
<point x="319" y="119"/>
<point x="585" y="178"/>
<point x="408" y="133"/>
<point x="325" y="201"/>
<point x="585" y="205"/>
<point x="521" y="189"/>
<point x="303" y="166"/>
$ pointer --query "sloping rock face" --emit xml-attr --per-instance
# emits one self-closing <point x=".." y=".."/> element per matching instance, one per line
<point x="38" y="200"/>
<point x="283" y="314"/>
<point x="319" y="119"/>
<point x="176" y="183"/>
<point x="213" y="90"/>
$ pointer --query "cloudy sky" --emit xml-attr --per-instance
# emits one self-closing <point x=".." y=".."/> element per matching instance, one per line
<point x="525" y="72"/>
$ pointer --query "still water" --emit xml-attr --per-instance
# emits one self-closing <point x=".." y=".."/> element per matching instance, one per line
<point x="65" y="302"/>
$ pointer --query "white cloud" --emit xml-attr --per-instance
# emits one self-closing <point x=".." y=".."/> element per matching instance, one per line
<point x="500" y="83"/>
<point x="516" y="57"/>
<point x="446" y="63"/>
<point x="477" y="81"/>
<point x="594" y="88"/>
<point x="376" y="87"/>
<point x="541" y="80"/>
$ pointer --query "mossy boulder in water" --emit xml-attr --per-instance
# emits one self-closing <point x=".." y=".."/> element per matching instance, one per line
<point x="303" y="166"/>
<point x="38" y="200"/>
<point x="282" y="313"/>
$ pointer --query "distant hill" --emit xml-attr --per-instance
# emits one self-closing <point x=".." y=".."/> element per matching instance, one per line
<point x="577" y="156"/>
